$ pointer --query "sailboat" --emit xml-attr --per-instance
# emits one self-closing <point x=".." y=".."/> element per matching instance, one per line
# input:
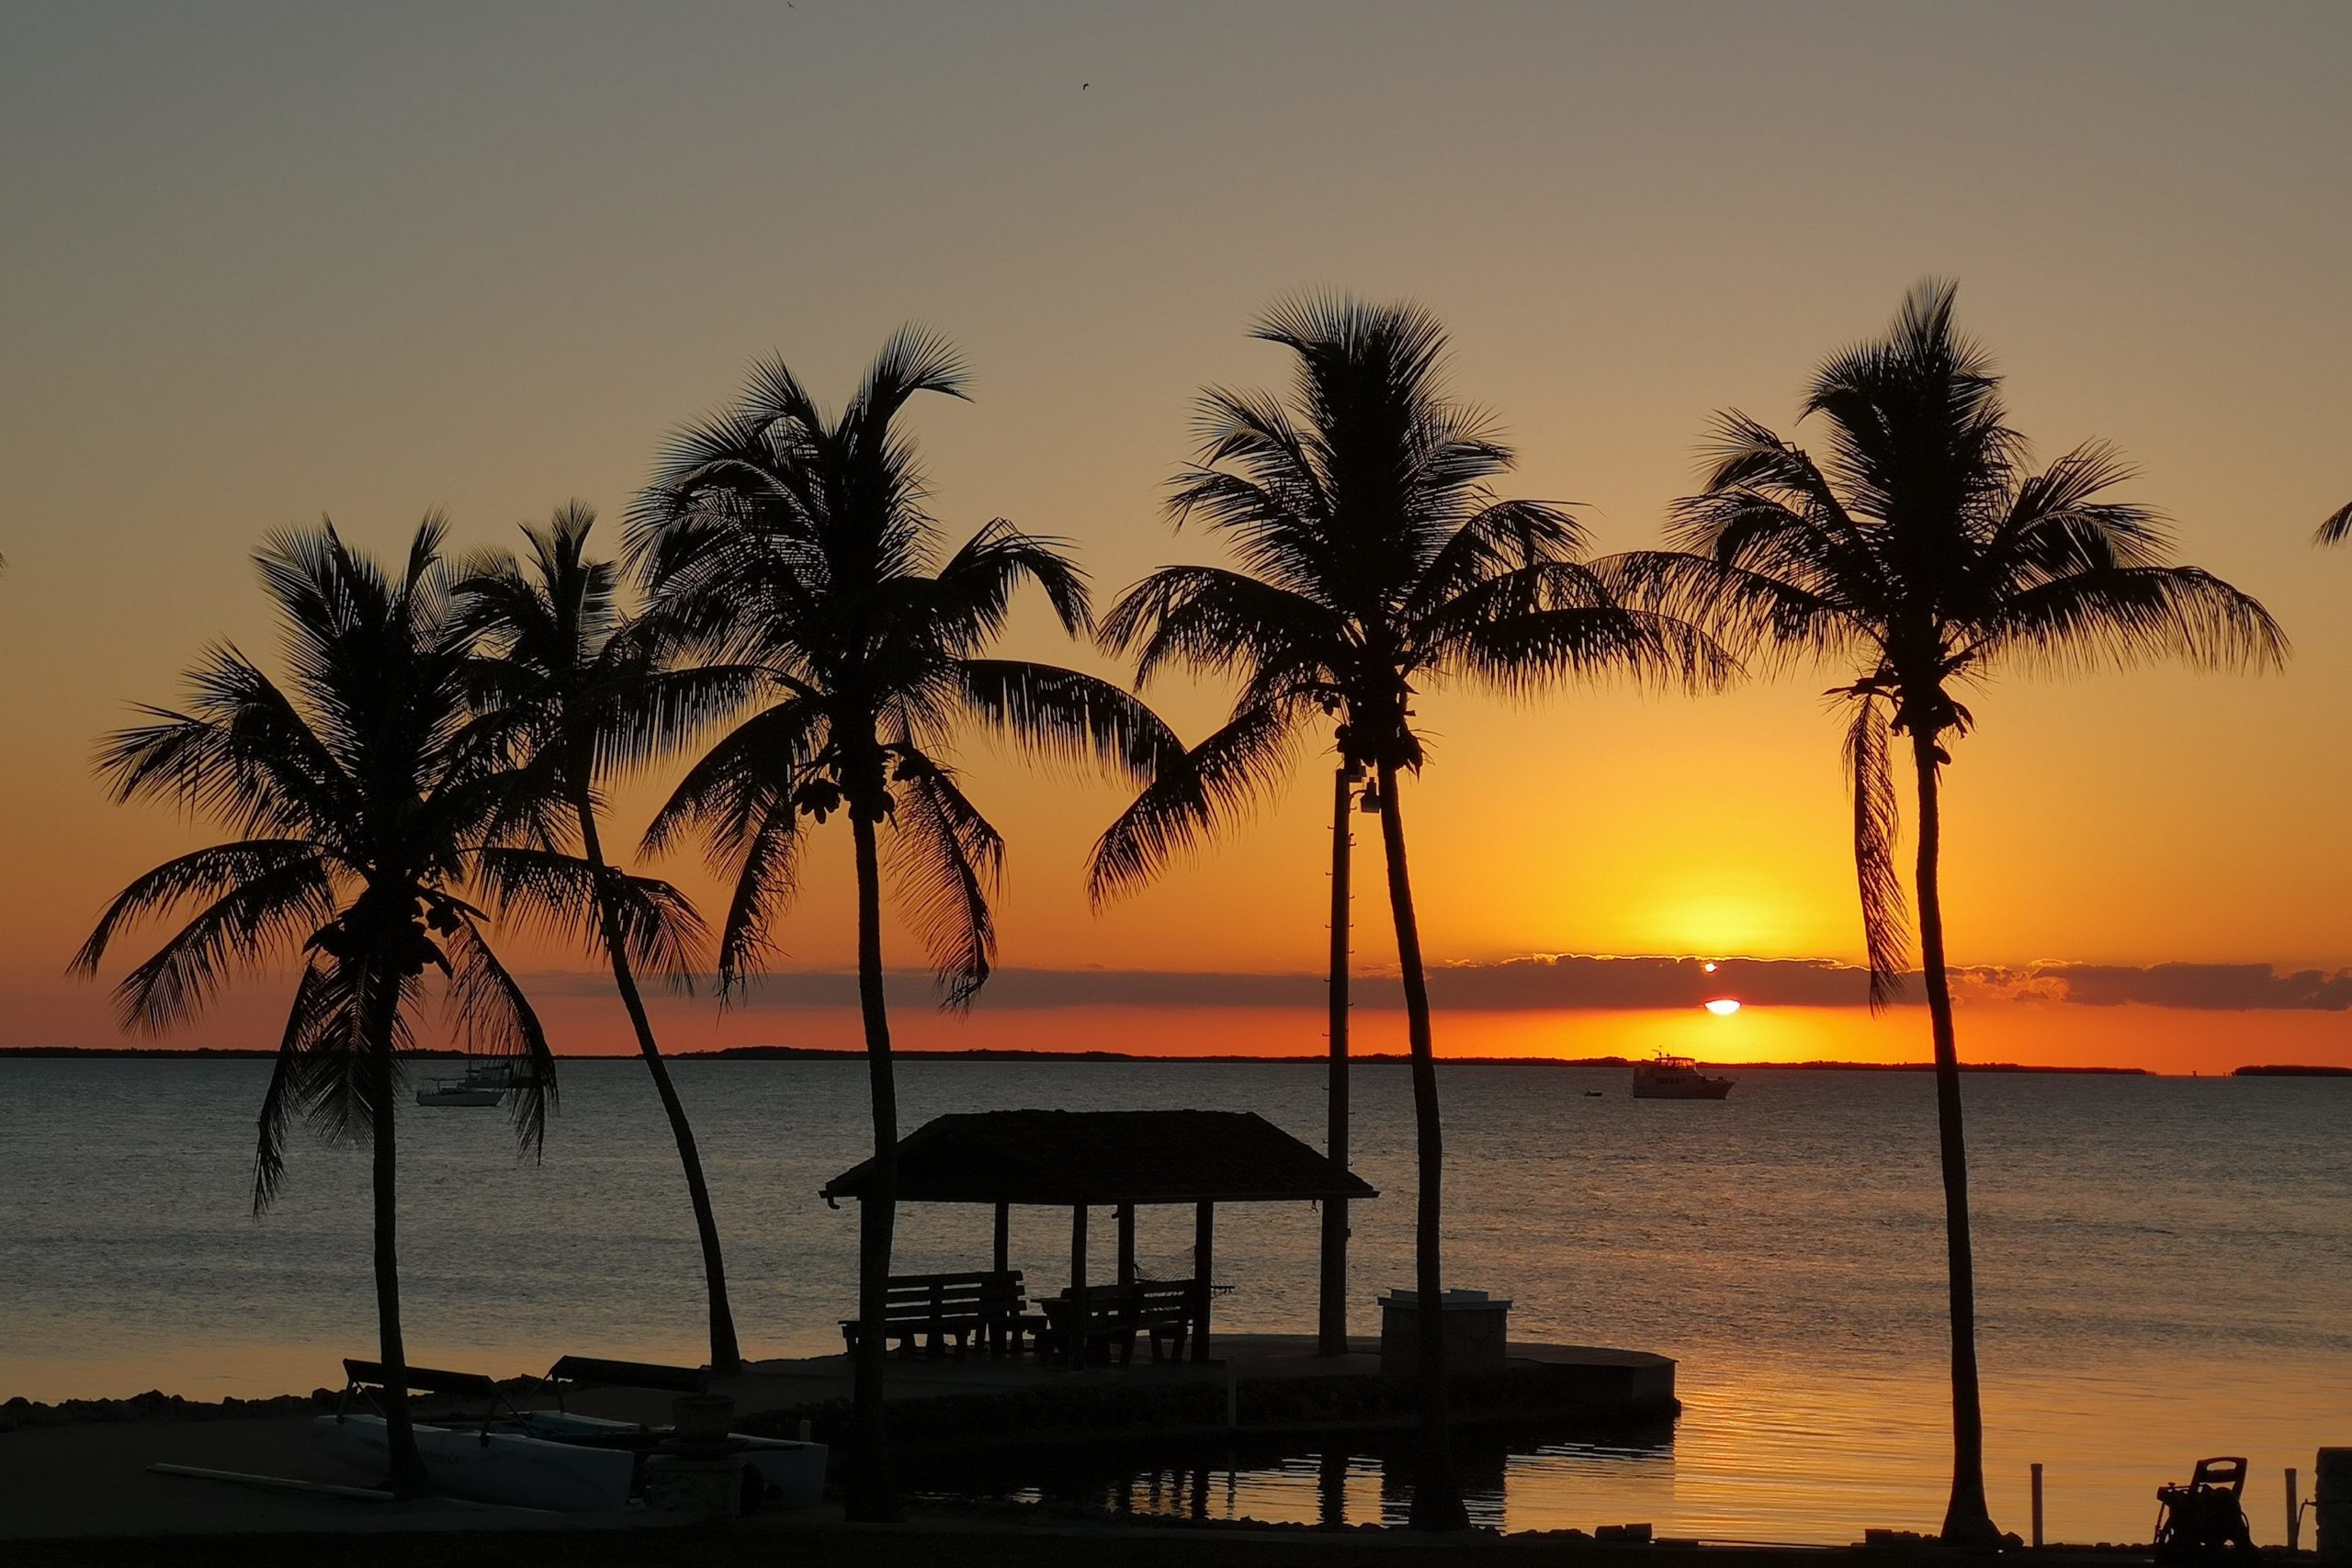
<point x="484" y="1083"/>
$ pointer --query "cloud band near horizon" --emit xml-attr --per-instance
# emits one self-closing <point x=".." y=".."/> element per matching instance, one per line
<point x="1577" y="982"/>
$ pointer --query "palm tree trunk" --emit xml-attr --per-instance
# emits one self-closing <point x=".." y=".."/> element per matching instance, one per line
<point x="1332" y="1323"/>
<point x="1437" y="1496"/>
<point x="407" y="1477"/>
<point x="1967" y="1519"/>
<point x="870" y="1496"/>
<point x="726" y="1354"/>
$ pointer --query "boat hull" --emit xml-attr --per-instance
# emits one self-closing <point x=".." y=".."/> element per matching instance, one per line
<point x="1705" y="1088"/>
<point x="792" y="1474"/>
<point x="489" y="1467"/>
<point x="547" y="1459"/>
<point x="457" y="1097"/>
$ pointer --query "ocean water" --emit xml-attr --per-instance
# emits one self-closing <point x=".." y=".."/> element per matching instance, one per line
<point x="2165" y="1264"/>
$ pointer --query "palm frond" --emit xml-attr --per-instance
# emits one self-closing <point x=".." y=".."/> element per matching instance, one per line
<point x="564" y="896"/>
<point x="1503" y="537"/>
<point x="2056" y="525"/>
<point x="2336" y="529"/>
<point x="499" y="1020"/>
<point x="974" y="589"/>
<point x="916" y="359"/>
<point x="1196" y="796"/>
<point x="747" y="774"/>
<point x="268" y="906"/>
<point x="2121" y="617"/>
<point x="242" y="755"/>
<point x="204" y="873"/>
<point x="309" y="1020"/>
<point x="1877" y="819"/>
<point x="1523" y="653"/>
<point x="1063" y="716"/>
<point x="1210" y="620"/>
<point x="1750" y="615"/>
<point x="767" y="877"/>
<point x="946" y="863"/>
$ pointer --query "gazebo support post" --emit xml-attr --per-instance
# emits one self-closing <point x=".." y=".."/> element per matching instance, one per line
<point x="1076" y="1349"/>
<point x="1126" y="1245"/>
<point x="1204" y="1266"/>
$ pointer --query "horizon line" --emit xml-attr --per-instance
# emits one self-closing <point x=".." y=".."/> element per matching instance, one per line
<point x="1120" y="1058"/>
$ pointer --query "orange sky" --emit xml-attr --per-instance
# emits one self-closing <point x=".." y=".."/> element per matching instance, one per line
<point x="265" y="265"/>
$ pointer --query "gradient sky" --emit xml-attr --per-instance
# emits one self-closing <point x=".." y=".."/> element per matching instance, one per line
<point x="263" y="262"/>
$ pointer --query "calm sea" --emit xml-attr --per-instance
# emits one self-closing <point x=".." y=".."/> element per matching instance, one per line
<point x="2165" y="1265"/>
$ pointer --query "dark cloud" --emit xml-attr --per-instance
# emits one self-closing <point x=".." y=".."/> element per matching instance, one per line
<point x="2240" y="988"/>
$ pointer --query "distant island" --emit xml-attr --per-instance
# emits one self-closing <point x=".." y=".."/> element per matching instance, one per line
<point x="1390" y="1058"/>
<point x="1001" y="1054"/>
<point x="2292" y="1072"/>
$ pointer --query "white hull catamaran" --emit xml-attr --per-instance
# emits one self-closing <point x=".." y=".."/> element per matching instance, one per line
<point x="546" y="1459"/>
<point x="554" y="1459"/>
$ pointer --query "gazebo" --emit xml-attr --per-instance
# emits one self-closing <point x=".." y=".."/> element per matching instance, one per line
<point x="1115" y="1159"/>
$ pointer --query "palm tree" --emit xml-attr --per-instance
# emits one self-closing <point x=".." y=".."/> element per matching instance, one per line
<point x="793" y="546"/>
<point x="2337" y="528"/>
<point x="1373" y="558"/>
<point x="573" y="689"/>
<point x="1923" y="555"/>
<point x="355" y="804"/>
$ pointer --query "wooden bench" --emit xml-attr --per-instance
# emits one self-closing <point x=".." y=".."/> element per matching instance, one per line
<point x="967" y="1309"/>
<point x="1162" y="1311"/>
<point x="1166" y="1311"/>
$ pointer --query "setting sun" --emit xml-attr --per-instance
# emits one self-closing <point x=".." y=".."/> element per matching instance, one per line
<point x="1723" y="1006"/>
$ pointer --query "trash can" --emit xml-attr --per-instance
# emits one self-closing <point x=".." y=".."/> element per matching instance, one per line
<point x="2332" y="1505"/>
<point x="1474" y="1324"/>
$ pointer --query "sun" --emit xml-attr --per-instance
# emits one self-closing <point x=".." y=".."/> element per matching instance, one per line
<point x="1723" y="1006"/>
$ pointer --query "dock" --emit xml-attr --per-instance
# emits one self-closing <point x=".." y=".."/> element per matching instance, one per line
<point x="1265" y="1385"/>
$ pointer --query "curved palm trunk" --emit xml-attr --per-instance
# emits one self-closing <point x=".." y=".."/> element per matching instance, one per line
<point x="871" y="1496"/>
<point x="1437" y="1496"/>
<point x="407" y="1478"/>
<point x="1331" y="1323"/>
<point x="726" y="1354"/>
<point x="1967" y="1519"/>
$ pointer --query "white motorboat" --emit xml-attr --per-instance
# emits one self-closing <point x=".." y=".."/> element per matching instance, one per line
<point x="458" y="1091"/>
<point x="485" y="1083"/>
<point x="1676" y="1077"/>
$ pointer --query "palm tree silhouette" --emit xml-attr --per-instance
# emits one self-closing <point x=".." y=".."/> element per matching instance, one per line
<point x="2337" y="528"/>
<point x="1374" y="557"/>
<point x="782" y="542"/>
<point x="570" y="688"/>
<point x="358" y="801"/>
<point x="1923" y="555"/>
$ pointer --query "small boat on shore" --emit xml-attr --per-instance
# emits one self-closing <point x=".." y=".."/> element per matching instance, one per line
<point x="1676" y="1077"/>
<point x="565" y="1462"/>
<point x="573" y="1464"/>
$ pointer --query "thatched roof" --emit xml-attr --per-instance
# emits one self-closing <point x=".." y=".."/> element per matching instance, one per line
<point x="1067" y="1157"/>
